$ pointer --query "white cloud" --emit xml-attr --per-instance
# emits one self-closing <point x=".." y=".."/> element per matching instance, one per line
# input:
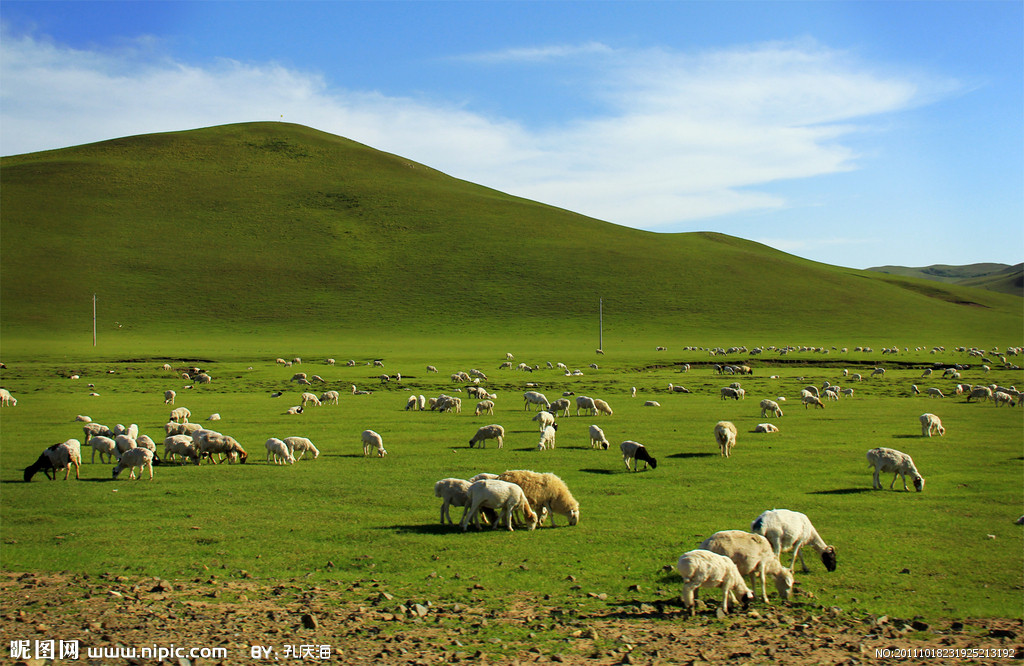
<point x="681" y="137"/>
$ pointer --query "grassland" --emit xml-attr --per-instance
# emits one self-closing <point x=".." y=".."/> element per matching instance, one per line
<point x="951" y="551"/>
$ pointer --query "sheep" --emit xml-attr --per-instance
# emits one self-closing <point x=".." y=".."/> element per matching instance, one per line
<point x="791" y="530"/>
<point x="587" y="403"/>
<point x="169" y="397"/>
<point x="546" y="493"/>
<point x="672" y="388"/>
<point x="1002" y="398"/>
<point x="652" y="403"/>
<point x="809" y="400"/>
<point x="897" y="462"/>
<point x="141" y="458"/>
<point x="482" y="475"/>
<point x="725" y="435"/>
<point x="765" y="427"/>
<point x="634" y="450"/>
<point x="302" y="445"/>
<point x="496" y="494"/>
<point x="278" y="450"/>
<point x="203" y="378"/>
<point x="454" y="492"/>
<point x="180" y="415"/>
<point x="180" y="428"/>
<point x="560" y="405"/>
<point x="124" y="443"/>
<point x="292" y="411"/>
<point x="370" y="440"/>
<point x="180" y="445"/>
<point x="484" y="406"/>
<point x="535" y="398"/>
<point x="632" y="391"/>
<point x="298" y="376"/>
<point x="104" y="446"/>
<point x="544" y="418"/>
<point x="6" y="399"/>
<point x="493" y="431"/>
<point x="64" y="455"/>
<point x="702" y="568"/>
<point x="446" y="403"/>
<point x="601" y="407"/>
<point x="730" y="392"/>
<point x="146" y="442"/>
<point x="929" y="424"/>
<point x="210" y="442"/>
<point x="412" y="403"/>
<point x="547" y="437"/>
<point x="309" y="397"/>
<point x="213" y="417"/>
<point x="431" y="368"/>
<point x="330" y="398"/>
<point x="878" y="371"/>
<point x="848" y="392"/>
<point x="983" y="392"/>
<point x="935" y="393"/>
<point x="770" y="408"/>
<point x="753" y="556"/>
<point x="422" y="402"/>
<point x="96" y="430"/>
<point x="597" y="438"/>
<point x="82" y="418"/>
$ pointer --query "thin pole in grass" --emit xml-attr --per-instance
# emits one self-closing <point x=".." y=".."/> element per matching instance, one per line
<point x="94" y="320"/>
<point x="600" y="323"/>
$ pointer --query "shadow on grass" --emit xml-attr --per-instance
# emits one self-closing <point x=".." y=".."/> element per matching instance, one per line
<point x="591" y="470"/>
<point x="693" y="455"/>
<point x="841" y="491"/>
<point x="435" y="528"/>
<point x="907" y="436"/>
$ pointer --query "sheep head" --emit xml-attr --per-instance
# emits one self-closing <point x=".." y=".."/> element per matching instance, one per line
<point x="828" y="558"/>
<point x="918" y="482"/>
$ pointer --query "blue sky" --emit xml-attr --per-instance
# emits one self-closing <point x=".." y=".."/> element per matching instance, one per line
<point x="854" y="133"/>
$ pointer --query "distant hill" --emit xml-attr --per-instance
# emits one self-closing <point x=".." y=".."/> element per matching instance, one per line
<point x="274" y="228"/>
<point x="995" y="277"/>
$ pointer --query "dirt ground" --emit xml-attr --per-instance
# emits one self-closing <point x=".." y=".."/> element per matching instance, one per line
<point x="306" y="622"/>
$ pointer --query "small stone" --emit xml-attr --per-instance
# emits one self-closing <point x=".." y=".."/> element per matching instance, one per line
<point x="309" y="621"/>
<point x="918" y="625"/>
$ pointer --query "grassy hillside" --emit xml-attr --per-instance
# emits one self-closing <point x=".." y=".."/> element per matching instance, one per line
<point x="277" y="228"/>
<point x="996" y="277"/>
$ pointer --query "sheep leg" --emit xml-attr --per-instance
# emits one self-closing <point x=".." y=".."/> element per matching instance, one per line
<point x="877" y="483"/>
<point x="803" y="565"/>
<point x="444" y="511"/>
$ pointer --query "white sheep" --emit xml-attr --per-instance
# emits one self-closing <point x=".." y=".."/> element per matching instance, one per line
<point x="601" y="407"/>
<point x="64" y="456"/>
<point x="900" y="464"/>
<point x="146" y="442"/>
<point x="546" y="493"/>
<point x="105" y="446"/>
<point x="141" y="458"/>
<point x="484" y="433"/>
<point x="83" y="418"/>
<point x="753" y="556"/>
<point x="586" y="403"/>
<point x="330" y="398"/>
<point x="809" y="400"/>
<point x="180" y="415"/>
<point x="124" y="443"/>
<point x="725" y="436"/>
<point x="652" y="403"/>
<point x="372" y="440"/>
<point x="498" y="495"/>
<point x="544" y="418"/>
<point x="791" y="530"/>
<point x="484" y="407"/>
<point x="597" y="438"/>
<point x="169" y="397"/>
<point x="770" y="408"/>
<point x="634" y="450"/>
<point x="535" y="398"/>
<point x="1002" y="398"/>
<point x="182" y="446"/>
<point x="454" y="492"/>
<point x="292" y="411"/>
<point x="412" y="403"/>
<point x="278" y="450"/>
<point x="6" y="399"/>
<point x="983" y="392"/>
<point x="547" y="437"/>
<point x="561" y="405"/>
<point x="211" y="442"/>
<point x="935" y="393"/>
<point x="931" y="424"/>
<point x="765" y="427"/>
<point x="731" y="392"/>
<point x="309" y="397"/>
<point x="302" y="445"/>
<point x="702" y="568"/>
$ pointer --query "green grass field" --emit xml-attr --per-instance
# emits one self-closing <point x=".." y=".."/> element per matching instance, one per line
<point x="951" y="551"/>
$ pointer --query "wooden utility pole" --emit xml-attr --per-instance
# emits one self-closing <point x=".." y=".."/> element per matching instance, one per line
<point x="94" y="320"/>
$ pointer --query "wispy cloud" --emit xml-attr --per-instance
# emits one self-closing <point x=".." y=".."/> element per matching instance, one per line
<point x="676" y="138"/>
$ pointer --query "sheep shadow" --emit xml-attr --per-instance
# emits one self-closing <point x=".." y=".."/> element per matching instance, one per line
<point x="693" y="455"/>
<point x="436" y="528"/>
<point x="907" y="436"/>
<point x="841" y="491"/>
<point x="591" y="470"/>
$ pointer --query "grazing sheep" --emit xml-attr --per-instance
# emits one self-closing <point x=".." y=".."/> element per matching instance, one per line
<point x="560" y="405"/>
<point x="732" y="392"/>
<point x="6" y="399"/>
<point x="431" y="368"/>
<point x="96" y="430"/>
<point x="809" y="400"/>
<point x="547" y="437"/>
<point x="146" y="442"/>
<point x="982" y="392"/>
<point x="586" y="403"/>
<point x="423" y="402"/>
<point x="632" y="391"/>
<point x="725" y="435"/>
<point x="412" y="403"/>
<point x="791" y="530"/>
<point x="634" y="450"/>
<point x="302" y="445"/>
<point x="484" y="433"/>
<point x="309" y="397"/>
<point x="702" y="568"/>
<point x="370" y="440"/>
<point x="124" y="443"/>
<point x="484" y="406"/>
<point x="546" y="493"/>
<point x="601" y="407"/>
<point x="935" y="393"/>
<point x="64" y="455"/>
<point x="652" y="403"/>
<point x="182" y="446"/>
<point x="535" y="398"/>
<point x="330" y="398"/>
<point x="753" y="556"/>
<point x="141" y="458"/>
<point x="597" y="438"/>
<point x="169" y="397"/>
<point x="770" y="408"/>
<point x="498" y="495"/>
<point x="899" y="463"/>
<point x="1002" y="398"/>
<point x="211" y="442"/>
<point x="105" y="446"/>
<point x="454" y="492"/>
<point x="278" y="450"/>
<point x="544" y="418"/>
<point x="931" y="424"/>
<point x="180" y="415"/>
<point x="848" y="392"/>
<point x="765" y="427"/>
<point x="172" y="428"/>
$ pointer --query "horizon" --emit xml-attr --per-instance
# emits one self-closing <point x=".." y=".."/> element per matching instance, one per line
<point x="855" y="134"/>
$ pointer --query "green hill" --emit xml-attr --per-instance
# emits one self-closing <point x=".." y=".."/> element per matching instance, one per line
<point x="278" y="228"/>
<point x="996" y="277"/>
